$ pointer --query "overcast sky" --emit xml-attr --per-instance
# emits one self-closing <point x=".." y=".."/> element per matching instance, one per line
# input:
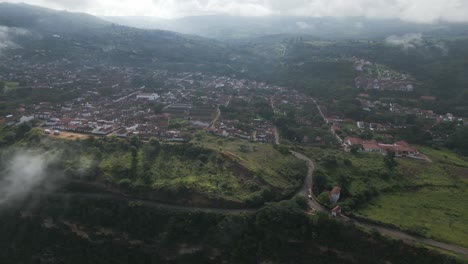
<point x="425" y="11"/>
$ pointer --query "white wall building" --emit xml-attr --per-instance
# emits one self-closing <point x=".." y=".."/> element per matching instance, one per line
<point x="148" y="96"/>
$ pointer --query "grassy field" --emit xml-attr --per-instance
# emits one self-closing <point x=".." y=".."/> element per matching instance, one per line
<point x="361" y="176"/>
<point x="276" y="169"/>
<point x="434" y="212"/>
<point x="10" y="86"/>
<point x="431" y="201"/>
<point x="425" y="198"/>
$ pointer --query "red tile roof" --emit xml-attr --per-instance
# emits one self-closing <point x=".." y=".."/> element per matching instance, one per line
<point x="335" y="190"/>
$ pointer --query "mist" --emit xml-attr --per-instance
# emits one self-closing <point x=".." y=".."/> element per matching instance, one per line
<point x="22" y="173"/>
<point x="7" y="35"/>
<point x="406" y="41"/>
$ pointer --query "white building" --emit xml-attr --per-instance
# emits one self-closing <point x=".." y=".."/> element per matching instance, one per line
<point x="148" y="96"/>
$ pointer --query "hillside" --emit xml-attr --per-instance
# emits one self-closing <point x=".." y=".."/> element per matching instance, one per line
<point x="237" y="27"/>
<point x="67" y="35"/>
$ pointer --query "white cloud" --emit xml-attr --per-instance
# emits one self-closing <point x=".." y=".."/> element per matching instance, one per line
<point x="424" y="11"/>
<point x="7" y="34"/>
<point x="407" y="41"/>
<point x="304" y="25"/>
<point x="24" y="171"/>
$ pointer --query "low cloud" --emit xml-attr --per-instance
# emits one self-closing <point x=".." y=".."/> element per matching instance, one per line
<point x="304" y="25"/>
<point x="423" y="11"/>
<point x="416" y="41"/>
<point x="23" y="171"/>
<point x="407" y="41"/>
<point x="7" y="35"/>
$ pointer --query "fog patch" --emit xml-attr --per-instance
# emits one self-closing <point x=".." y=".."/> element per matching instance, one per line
<point x="443" y="48"/>
<point x="415" y="41"/>
<point x="406" y="41"/>
<point x="22" y="172"/>
<point x="7" y="34"/>
<point x="304" y="25"/>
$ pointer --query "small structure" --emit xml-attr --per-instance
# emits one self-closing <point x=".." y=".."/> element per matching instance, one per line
<point x="334" y="195"/>
<point x="148" y="96"/>
<point x="336" y="211"/>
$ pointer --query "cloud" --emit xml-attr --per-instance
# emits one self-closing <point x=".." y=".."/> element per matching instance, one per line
<point x="407" y="41"/>
<point x="22" y="172"/>
<point x="423" y="11"/>
<point x="416" y="41"/>
<point x="7" y="35"/>
<point x="304" y="25"/>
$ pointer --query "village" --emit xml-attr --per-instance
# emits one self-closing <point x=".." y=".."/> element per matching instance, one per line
<point x="172" y="106"/>
<point x="172" y="109"/>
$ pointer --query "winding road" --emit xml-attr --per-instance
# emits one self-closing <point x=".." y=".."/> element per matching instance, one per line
<point x="394" y="233"/>
<point x="303" y="191"/>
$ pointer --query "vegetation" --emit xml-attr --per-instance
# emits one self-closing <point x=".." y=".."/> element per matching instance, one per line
<point x="419" y="197"/>
<point x="83" y="230"/>
<point x="209" y="172"/>
<point x="274" y="167"/>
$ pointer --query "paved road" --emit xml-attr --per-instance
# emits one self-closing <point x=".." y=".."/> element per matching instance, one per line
<point x="394" y="233"/>
<point x="326" y="120"/>
<point x="414" y="239"/>
<point x="308" y="184"/>
<point x="218" y="113"/>
<point x="144" y="202"/>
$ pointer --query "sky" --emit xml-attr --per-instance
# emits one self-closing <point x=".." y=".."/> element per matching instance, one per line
<point x="422" y="11"/>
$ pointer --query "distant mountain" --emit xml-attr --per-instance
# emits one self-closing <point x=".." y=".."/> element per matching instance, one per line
<point x="79" y="36"/>
<point x="47" y="20"/>
<point x="232" y="27"/>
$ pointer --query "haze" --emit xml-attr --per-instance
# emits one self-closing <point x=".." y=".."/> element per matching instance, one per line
<point x="422" y="11"/>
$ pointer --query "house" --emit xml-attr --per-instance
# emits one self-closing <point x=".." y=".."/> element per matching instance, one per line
<point x="401" y="149"/>
<point x="350" y="141"/>
<point x="148" y="96"/>
<point x="361" y="125"/>
<point x="336" y="127"/>
<point x="25" y="119"/>
<point x="336" y="211"/>
<point x="371" y="146"/>
<point x="334" y="195"/>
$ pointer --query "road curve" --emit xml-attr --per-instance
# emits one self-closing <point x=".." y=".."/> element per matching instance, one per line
<point x="414" y="239"/>
<point x="308" y="183"/>
<point x="394" y="233"/>
<point x="303" y="191"/>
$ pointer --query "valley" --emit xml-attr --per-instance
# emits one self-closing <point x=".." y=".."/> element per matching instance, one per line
<point x="137" y="145"/>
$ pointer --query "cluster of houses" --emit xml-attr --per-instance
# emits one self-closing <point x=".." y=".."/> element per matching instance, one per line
<point x="261" y="130"/>
<point x="113" y="106"/>
<point x="377" y="77"/>
<point x="400" y="148"/>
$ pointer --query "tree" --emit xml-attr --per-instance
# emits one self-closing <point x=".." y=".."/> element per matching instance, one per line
<point x="355" y="148"/>
<point x="134" y="164"/>
<point x="158" y="108"/>
<point x="323" y="198"/>
<point x="22" y="129"/>
<point x="320" y="181"/>
<point x="389" y="160"/>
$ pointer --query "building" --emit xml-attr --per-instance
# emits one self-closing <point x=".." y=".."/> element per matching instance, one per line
<point x="336" y="211"/>
<point x="400" y="148"/>
<point x="334" y="195"/>
<point x="148" y="96"/>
